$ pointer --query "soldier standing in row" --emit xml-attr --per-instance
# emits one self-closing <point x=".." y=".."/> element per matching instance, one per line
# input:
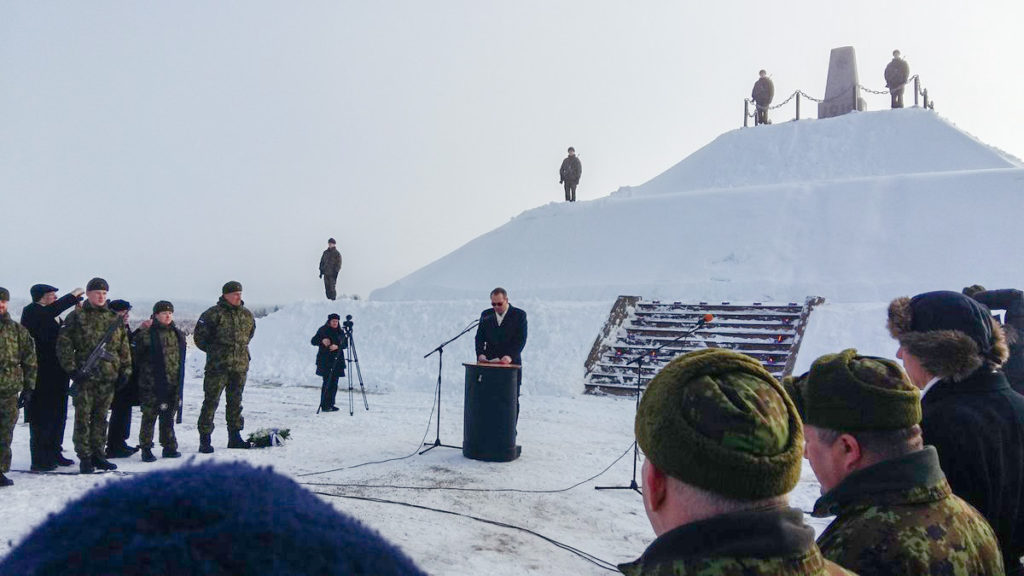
<point x="330" y="267"/>
<point x="224" y="332"/>
<point x="82" y="333"/>
<point x="48" y="411"/>
<point x="159" y="350"/>
<point x="762" y="95"/>
<point x="330" y="360"/>
<point x="124" y="398"/>
<point x="569" y="174"/>
<point x="897" y="72"/>
<point x="895" y="512"/>
<point x="17" y="379"/>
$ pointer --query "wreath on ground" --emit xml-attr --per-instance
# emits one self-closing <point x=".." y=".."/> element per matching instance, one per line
<point x="267" y="437"/>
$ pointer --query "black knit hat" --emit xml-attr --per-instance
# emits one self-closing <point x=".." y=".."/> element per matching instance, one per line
<point x="39" y="290"/>
<point x="848" y="392"/>
<point x="119" y="305"/>
<point x="97" y="284"/>
<point x="233" y="286"/>
<point x="333" y="317"/>
<point x="331" y="241"/>
<point x="952" y="335"/>
<point x="717" y="420"/>
<point x="163" y="306"/>
<point x="5" y="295"/>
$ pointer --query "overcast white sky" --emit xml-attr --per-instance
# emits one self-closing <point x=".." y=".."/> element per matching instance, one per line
<point x="171" y="146"/>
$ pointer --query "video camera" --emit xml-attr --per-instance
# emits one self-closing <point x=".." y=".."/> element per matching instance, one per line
<point x="348" y="323"/>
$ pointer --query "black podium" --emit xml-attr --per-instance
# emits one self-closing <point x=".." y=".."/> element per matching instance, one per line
<point x="489" y="418"/>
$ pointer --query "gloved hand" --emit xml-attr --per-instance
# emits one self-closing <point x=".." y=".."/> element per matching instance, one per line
<point x="25" y="398"/>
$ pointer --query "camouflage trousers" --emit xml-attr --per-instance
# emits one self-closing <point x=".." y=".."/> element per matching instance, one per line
<point x="8" y="418"/>
<point x="151" y="413"/>
<point x="213" y="384"/>
<point x="92" y="402"/>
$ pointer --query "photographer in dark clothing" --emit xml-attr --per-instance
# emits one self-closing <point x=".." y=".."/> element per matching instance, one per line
<point x="1011" y="301"/>
<point x="331" y="342"/>
<point x="48" y="410"/>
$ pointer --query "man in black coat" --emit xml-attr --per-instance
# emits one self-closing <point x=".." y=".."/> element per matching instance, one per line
<point x="952" y="350"/>
<point x="897" y="72"/>
<point x="1010" y="301"/>
<point x="762" y="95"/>
<point x="331" y="342"/>
<point x="48" y="411"/>
<point x="569" y="174"/>
<point x="501" y="335"/>
<point x="126" y="396"/>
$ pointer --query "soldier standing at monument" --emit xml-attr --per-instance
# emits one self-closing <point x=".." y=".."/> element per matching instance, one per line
<point x="17" y="379"/>
<point x="762" y="95"/>
<point x="224" y="332"/>
<point x="569" y="173"/>
<point x="330" y="267"/>
<point x="896" y="75"/>
<point x="83" y="332"/>
<point x="159" y="352"/>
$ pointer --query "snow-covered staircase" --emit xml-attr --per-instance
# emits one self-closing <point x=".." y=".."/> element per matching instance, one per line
<point x="771" y="333"/>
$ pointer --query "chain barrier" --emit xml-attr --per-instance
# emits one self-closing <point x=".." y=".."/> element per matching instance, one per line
<point x="869" y="90"/>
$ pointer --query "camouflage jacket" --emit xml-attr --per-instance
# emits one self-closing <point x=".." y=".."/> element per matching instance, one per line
<point x="170" y="345"/>
<point x="771" y="542"/>
<point x="17" y="357"/>
<point x="896" y="73"/>
<point x="224" y="332"/>
<point x="330" y="262"/>
<point x="900" y="517"/>
<point x="82" y="331"/>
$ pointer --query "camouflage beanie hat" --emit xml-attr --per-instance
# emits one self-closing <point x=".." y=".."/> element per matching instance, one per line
<point x="233" y="286"/>
<point x="851" y="393"/>
<point x="5" y="295"/>
<point x="717" y="420"/>
<point x="163" y="306"/>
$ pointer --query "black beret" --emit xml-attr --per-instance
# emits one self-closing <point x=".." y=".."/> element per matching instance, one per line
<point x="5" y="295"/>
<point x="97" y="284"/>
<point x="163" y="306"/>
<point x="233" y="286"/>
<point x="120" y="305"/>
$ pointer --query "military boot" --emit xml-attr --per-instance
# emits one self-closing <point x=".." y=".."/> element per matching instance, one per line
<point x="171" y="453"/>
<point x="235" y="440"/>
<point x="103" y="464"/>
<point x="5" y="481"/>
<point x="205" y="446"/>
<point x="62" y="461"/>
<point x="86" y="467"/>
<point x="147" y="455"/>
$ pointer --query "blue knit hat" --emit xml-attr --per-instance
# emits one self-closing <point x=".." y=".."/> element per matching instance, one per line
<point x="207" y="519"/>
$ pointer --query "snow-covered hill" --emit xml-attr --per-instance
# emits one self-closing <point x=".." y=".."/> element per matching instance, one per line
<point x="855" y="208"/>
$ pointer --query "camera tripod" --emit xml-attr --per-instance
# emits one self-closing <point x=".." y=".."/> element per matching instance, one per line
<point x="352" y="356"/>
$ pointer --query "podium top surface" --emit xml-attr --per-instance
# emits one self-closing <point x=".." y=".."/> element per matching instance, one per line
<point x="490" y="365"/>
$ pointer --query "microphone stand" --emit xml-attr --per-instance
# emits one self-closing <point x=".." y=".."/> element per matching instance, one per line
<point x="639" y="361"/>
<point x="440" y="364"/>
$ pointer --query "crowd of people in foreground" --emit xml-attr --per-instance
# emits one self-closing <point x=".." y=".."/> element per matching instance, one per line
<point x="922" y="467"/>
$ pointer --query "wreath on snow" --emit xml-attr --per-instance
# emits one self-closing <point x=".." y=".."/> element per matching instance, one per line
<point x="267" y="437"/>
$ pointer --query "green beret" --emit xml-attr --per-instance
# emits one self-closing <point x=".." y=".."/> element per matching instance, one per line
<point x="717" y="420"/>
<point x="5" y="295"/>
<point x="850" y="393"/>
<point x="232" y="286"/>
<point x="163" y="306"/>
<point x="97" y="284"/>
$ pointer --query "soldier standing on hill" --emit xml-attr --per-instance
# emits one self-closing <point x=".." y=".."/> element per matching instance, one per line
<point x="48" y="411"/>
<point x="762" y="95"/>
<point x="570" y="173"/>
<point x="330" y="267"/>
<point x="159" y="353"/>
<point x="82" y="333"/>
<point x="17" y="379"/>
<point x="896" y="75"/>
<point x="224" y="332"/>
<point x="331" y="342"/>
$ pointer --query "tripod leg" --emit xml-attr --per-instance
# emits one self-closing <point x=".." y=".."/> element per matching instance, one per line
<point x="351" y="407"/>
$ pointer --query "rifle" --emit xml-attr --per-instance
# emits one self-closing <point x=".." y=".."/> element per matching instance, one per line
<point x="98" y="353"/>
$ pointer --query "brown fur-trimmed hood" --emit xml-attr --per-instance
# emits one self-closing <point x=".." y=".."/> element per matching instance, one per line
<point x="950" y="334"/>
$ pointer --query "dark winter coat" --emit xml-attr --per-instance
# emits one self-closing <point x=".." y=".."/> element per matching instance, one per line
<point x="769" y="542"/>
<point x="896" y="73"/>
<point x="571" y="170"/>
<point x="900" y="518"/>
<point x="325" y="358"/>
<point x="158" y="351"/>
<point x="763" y="92"/>
<point x="1012" y="302"/>
<point x="977" y="426"/>
<point x="495" y="341"/>
<point x="330" y="262"/>
<point x="44" y="327"/>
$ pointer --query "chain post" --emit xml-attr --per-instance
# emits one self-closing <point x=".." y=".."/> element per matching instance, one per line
<point x="917" y="89"/>
<point x="746" y="111"/>
<point x="798" y="105"/>
<point x="924" y="94"/>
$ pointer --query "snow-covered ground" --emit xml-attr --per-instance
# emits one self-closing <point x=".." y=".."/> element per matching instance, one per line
<point x="567" y="437"/>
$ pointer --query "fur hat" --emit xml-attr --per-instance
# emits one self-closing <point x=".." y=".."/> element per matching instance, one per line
<point x="97" y="284"/>
<point x="213" y="518"/>
<point x="717" y="420"/>
<point x="333" y="316"/>
<point x="39" y="290"/>
<point x="233" y="286"/>
<point x="952" y="335"/>
<point x="848" y="392"/>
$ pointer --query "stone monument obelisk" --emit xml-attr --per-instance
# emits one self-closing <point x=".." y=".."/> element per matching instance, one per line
<point x="842" y="93"/>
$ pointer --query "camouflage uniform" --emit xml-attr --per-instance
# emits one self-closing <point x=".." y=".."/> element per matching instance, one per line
<point x="83" y="329"/>
<point x="224" y="332"/>
<point x="772" y="542"/>
<point x="900" y="517"/>
<point x="17" y="374"/>
<point x="158" y="393"/>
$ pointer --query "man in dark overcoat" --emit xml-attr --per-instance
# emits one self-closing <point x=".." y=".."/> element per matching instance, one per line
<point x="762" y="95"/>
<point x="569" y="174"/>
<point x="331" y="343"/>
<point x="501" y="335"/>
<point x="897" y="72"/>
